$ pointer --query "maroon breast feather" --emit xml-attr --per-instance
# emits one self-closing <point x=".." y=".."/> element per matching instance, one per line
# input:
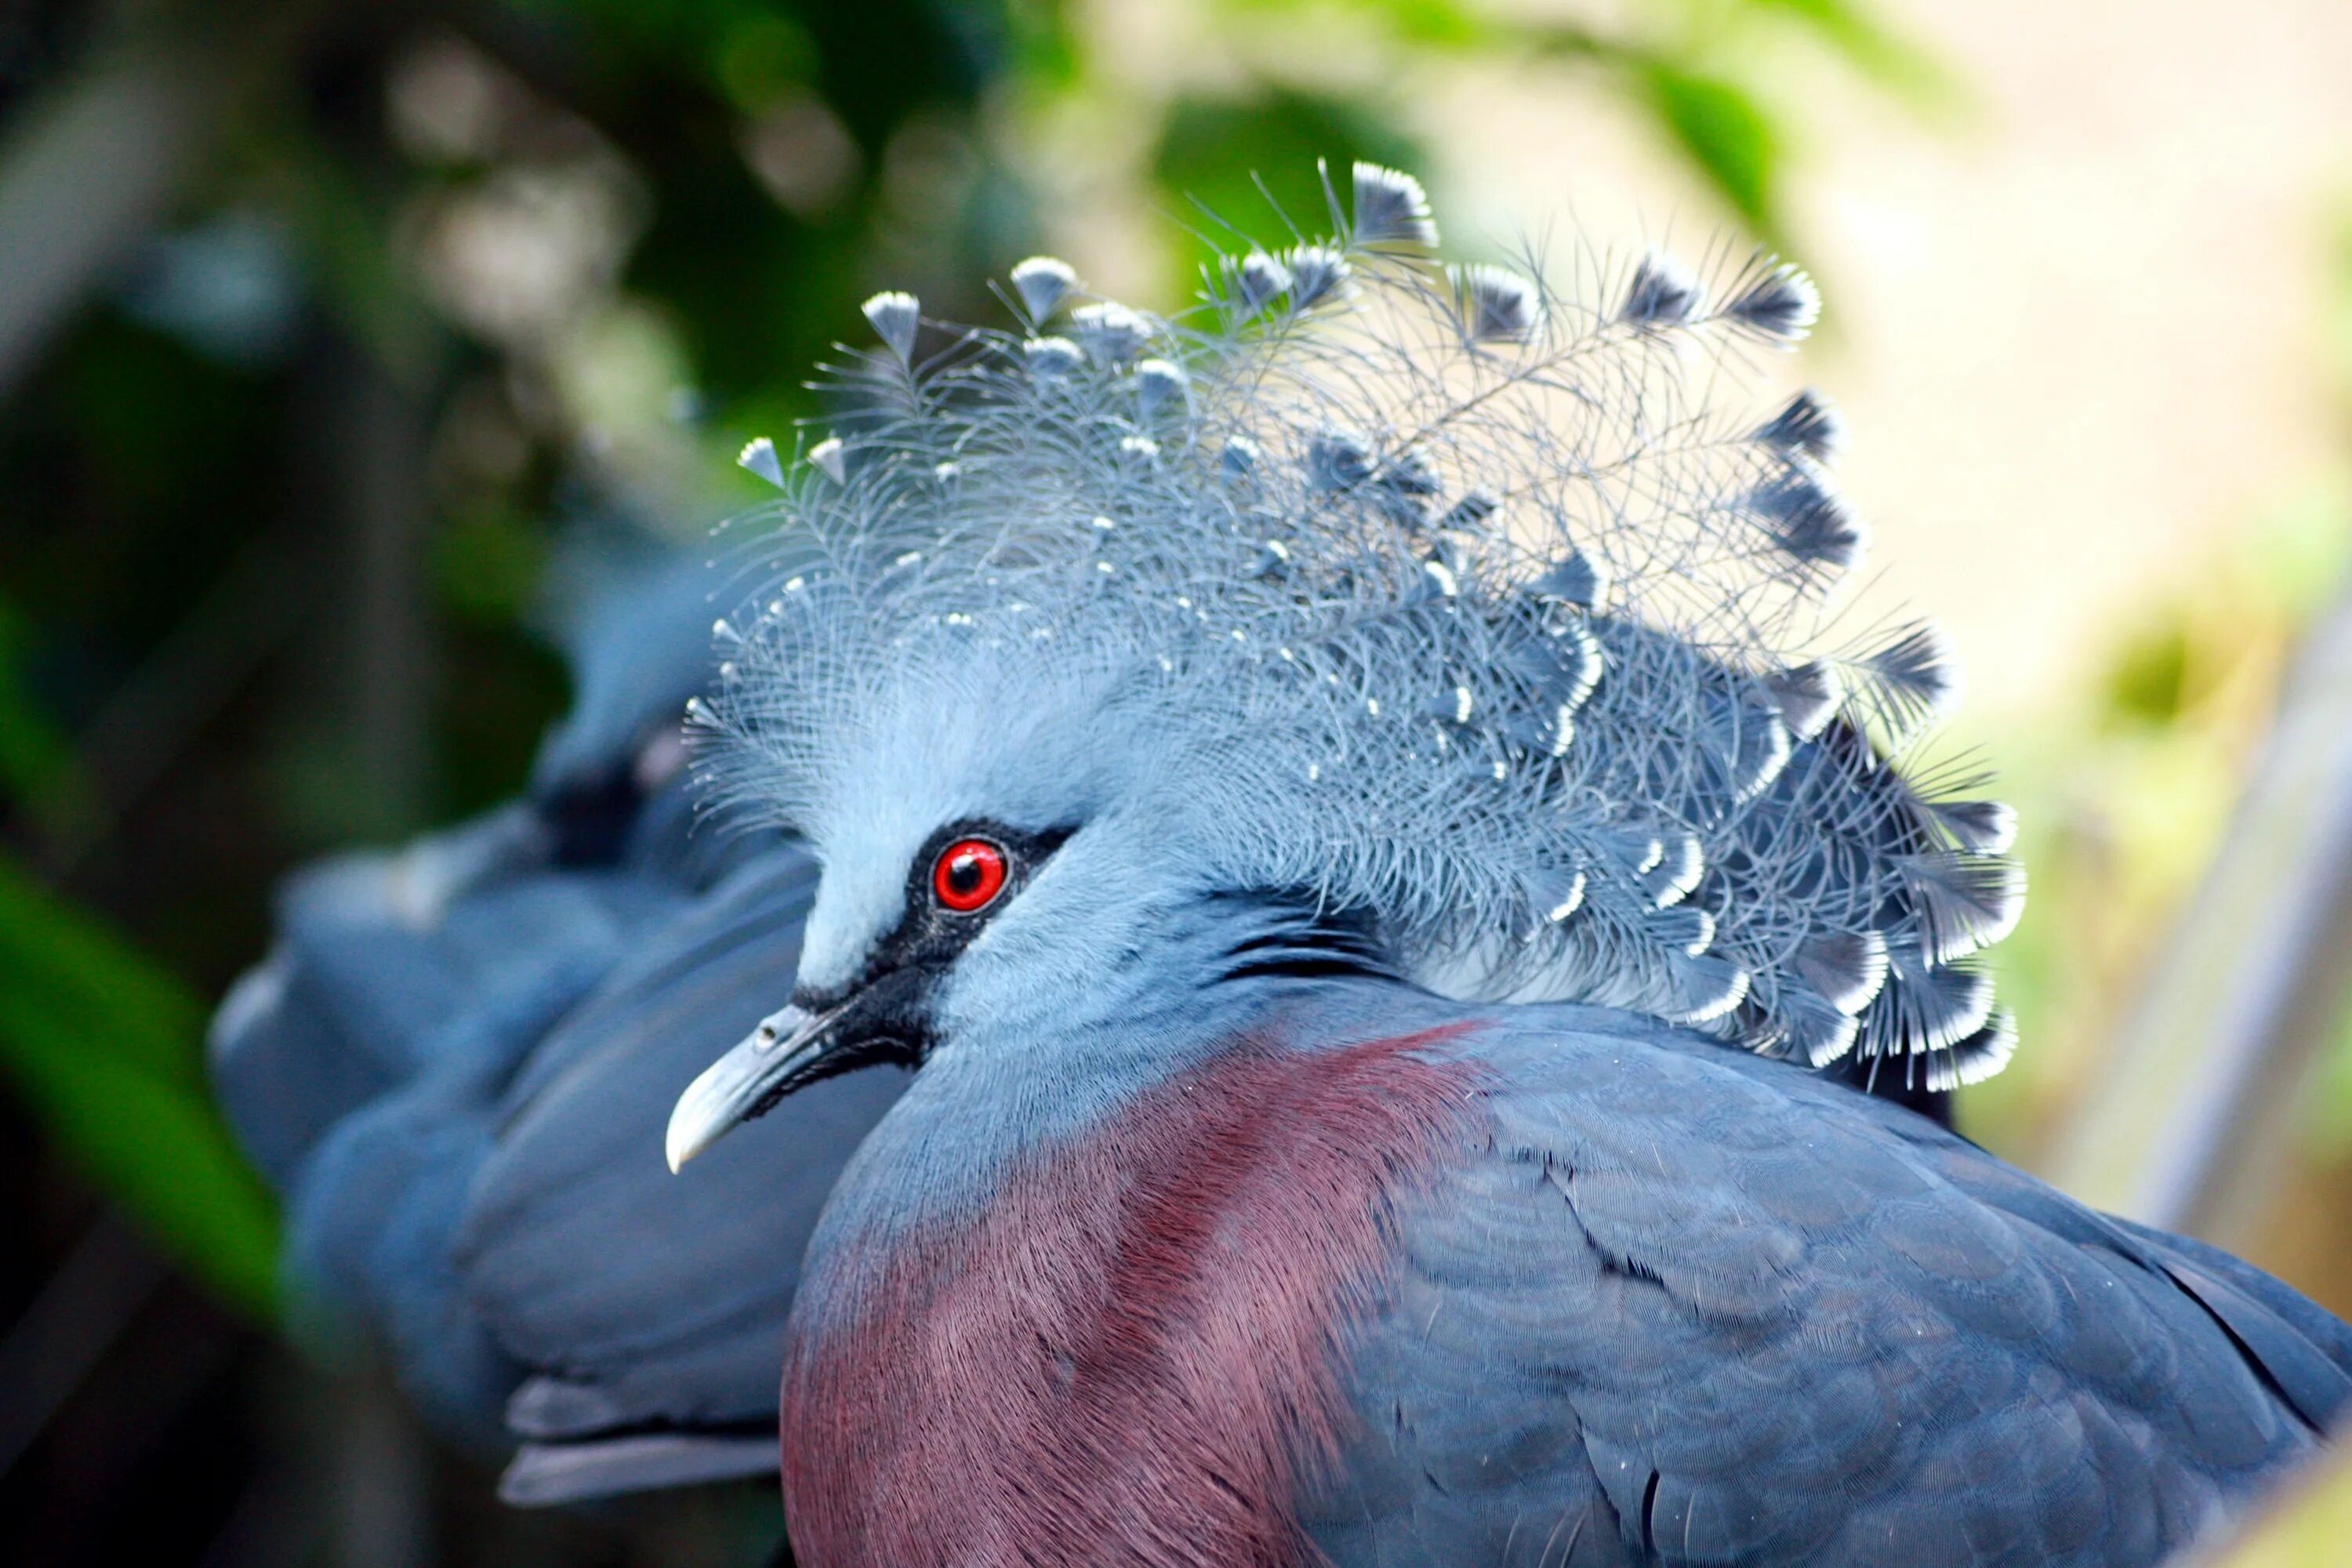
<point x="1133" y="1355"/>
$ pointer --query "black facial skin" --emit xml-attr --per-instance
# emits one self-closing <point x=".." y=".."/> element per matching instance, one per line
<point x="883" y="1015"/>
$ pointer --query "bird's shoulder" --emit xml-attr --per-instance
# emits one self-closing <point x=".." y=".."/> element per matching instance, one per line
<point x="1673" y="1303"/>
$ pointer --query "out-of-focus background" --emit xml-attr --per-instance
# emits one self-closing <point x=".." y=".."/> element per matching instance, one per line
<point x="323" y="327"/>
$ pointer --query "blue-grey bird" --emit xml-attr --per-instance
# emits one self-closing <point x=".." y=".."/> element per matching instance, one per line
<point x="1350" y="804"/>
<point x="456" y="1060"/>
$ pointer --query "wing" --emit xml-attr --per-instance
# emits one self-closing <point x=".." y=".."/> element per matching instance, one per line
<point x="466" y="1112"/>
<point x="451" y="956"/>
<point x="457" y="1061"/>
<point x="361" y="1067"/>
<point x="377" y="957"/>
<point x="652" y="1304"/>
<point x="1689" y="1307"/>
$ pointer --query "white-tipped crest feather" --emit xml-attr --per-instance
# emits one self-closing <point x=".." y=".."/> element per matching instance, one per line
<point x="1444" y="598"/>
<point x="1391" y="209"/>
<point x="1043" y="282"/>
<point x="896" y="318"/>
<point x="758" y="456"/>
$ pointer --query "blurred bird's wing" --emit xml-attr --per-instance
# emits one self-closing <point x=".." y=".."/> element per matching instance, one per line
<point x="457" y="1062"/>
<point x="1694" y="1308"/>
<point x="362" y="1064"/>
<point x="465" y="1105"/>
<point x="451" y="956"/>
<point x="654" y="1305"/>
<point x="377" y="956"/>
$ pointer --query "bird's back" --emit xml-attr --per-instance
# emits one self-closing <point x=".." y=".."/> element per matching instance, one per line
<point x="1674" y="1305"/>
<point x="1386" y="1279"/>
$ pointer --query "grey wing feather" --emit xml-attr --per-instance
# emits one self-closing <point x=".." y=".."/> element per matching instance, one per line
<point x="1694" y="1308"/>
<point x="504" y="1212"/>
<point x="362" y="1068"/>
<point x="365" y="980"/>
<point x="456" y="1062"/>
<point x="653" y="1300"/>
<point x="543" y="1475"/>
<point x="385" y="964"/>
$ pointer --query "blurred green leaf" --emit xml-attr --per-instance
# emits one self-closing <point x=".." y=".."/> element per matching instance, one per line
<point x="763" y="57"/>
<point x="1440" y="24"/>
<point x="1728" y="134"/>
<point x="1856" y="35"/>
<point x="103" y="1047"/>
<point x="37" y="766"/>
<point x="487" y="564"/>
<point x="2148" y="683"/>
<point x="1044" y="50"/>
<point x="77" y="981"/>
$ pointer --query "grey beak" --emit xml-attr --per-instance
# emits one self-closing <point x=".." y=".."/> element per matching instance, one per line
<point x="745" y="1081"/>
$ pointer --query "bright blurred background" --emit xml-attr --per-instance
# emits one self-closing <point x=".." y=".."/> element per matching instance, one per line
<point x="323" y="327"/>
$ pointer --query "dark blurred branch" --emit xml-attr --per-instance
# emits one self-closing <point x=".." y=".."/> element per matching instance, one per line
<point x="2196" y="1112"/>
<point x="243" y="619"/>
<point x="98" y="161"/>
<point x="382" y="1479"/>
<point x="67" y="1330"/>
<point x="378" y="456"/>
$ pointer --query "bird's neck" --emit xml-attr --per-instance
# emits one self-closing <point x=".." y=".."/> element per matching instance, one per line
<point x="1129" y="1336"/>
<point x="1039" y="1053"/>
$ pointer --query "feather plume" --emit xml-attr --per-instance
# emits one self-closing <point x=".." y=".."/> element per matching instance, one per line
<point x="1472" y="606"/>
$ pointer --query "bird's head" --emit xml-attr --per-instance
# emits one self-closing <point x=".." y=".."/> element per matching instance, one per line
<point x="1450" y="626"/>
<point x="1012" y="860"/>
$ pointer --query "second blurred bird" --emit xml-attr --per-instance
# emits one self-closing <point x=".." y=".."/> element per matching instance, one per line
<point x="455" y="1064"/>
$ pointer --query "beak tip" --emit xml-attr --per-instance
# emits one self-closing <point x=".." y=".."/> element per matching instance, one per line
<point x="693" y="1122"/>
<point x="690" y="1133"/>
<point x="729" y="1089"/>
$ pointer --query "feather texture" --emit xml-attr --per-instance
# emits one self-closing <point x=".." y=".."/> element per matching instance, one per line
<point x="1415" y="590"/>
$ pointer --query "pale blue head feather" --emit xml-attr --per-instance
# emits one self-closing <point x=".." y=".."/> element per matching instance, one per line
<point x="1487" y="611"/>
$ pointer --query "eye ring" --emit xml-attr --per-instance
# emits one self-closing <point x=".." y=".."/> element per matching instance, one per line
<point x="969" y="875"/>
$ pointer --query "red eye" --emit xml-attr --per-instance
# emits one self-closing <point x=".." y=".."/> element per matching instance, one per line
<point x="969" y="875"/>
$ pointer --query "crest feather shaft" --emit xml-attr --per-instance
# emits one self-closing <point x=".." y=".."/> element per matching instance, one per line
<point x="1484" y="608"/>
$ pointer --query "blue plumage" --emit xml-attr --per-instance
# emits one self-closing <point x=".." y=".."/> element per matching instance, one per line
<point x="1405" y="767"/>
<point x="1344" y="800"/>
<point x="1434" y="595"/>
<point x="1806" y="1328"/>
<point x="455" y="1065"/>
